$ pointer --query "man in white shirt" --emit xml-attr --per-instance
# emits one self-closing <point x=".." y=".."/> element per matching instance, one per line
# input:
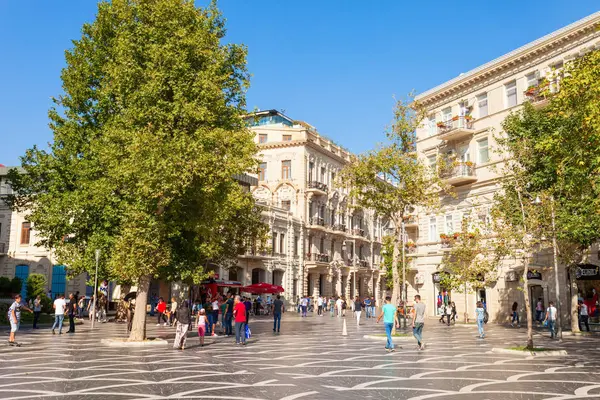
<point x="338" y="305"/>
<point x="551" y="319"/>
<point x="59" y="313"/>
<point x="320" y="306"/>
<point x="584" y="316"/>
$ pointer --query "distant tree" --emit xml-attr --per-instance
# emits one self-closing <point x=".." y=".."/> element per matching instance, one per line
<point x="148" y="137"/>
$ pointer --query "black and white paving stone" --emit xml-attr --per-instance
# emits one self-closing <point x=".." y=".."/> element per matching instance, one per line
<point x="310" y="359"/>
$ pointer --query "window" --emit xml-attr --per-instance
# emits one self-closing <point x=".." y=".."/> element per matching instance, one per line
<point x="449" y="224"/>
<point x="262" y="171"/>
<point x="22" y="272"/>
<point x="25" y="233"/>
<point x="287" y="138"/>
<point x="323" y="175"/>
<point x="274" y="243"/>
<point x="482" y="105"/>
<point x="59" y="280"/>
<point x="262" y="138"/>
<point x="296" y="245"/>
<point x="311" y="168"/>
<point x="282" y="243"/>
<point x="286" y="204"/>
<point x="511" y="94"/>
<point x="463" y="153"/>
<point x="432" y="126"/>
<point x="532" y="79"/>
<point x="286" y="169"/>
<point x="447" y="114"/>
<point x="432" y="161"/>
<point x="433" y="236"/>
<point x="483" y="151"/>
<point x="332" y="179"/>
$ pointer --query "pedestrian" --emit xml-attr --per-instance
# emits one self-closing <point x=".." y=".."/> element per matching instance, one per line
<point x="583" y="316"/>
<point x="14" y="317"/>
<point x="202" y="321"/>
<point x="81" y="306"/>
<point x="373" y="306"/>
<point x="515" y="315"/>
<point x="442" y="312"/>
<point x="173" y="311"/>
<point x="89" y="307"/>
<point x="230" y="303"/>
<point x="320" y="306"/>
<point x="215" y="315"/>
<point x="539" y="311"/>
<point x="239" y="312"/>
<point x="550" y="319"/>
<point x="298" y="305"/>
<point x="71" y="312"/>
<point x="277" y="309"/>
<point x="60" y="307"/>
<point x="161" y="309"/>
<point x="344" y="305"/>
<point x="338" y="306"/>
<point x="418" y="321"/>
<point x="448" y="310"/>
<point x="390" y="317"/>
<point x="358" y="306"/>
<point x="102" y="307"/>
<point x="183" y="325"/>
<point x="480" y="318"/>
<point x="304" y="305"/>
<point x="367" y="303"/>
<point x="454" y="314"/>
<point x="37" y="310"/>
<point x="248" y="305"/>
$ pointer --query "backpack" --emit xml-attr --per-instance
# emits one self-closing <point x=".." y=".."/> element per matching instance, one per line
<point x="486" y="317"/>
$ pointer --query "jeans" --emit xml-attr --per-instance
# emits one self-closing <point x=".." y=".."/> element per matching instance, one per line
<point x="418" y="332"/>
<point x="72" y="323"/>
<point x="515" y="317"/>
<point x="240" y="332"/>
<point x="538" y="315"/>
<point x="58" y="320"/>
<point x="551" y="324"/>
<point x="228" y="318"/>
<point x="480" y="327"/>
<point x="372" y="311"/>
<point x="276" y="321"/>
<point x="388" y="332"/>
<point x="332" y="310"/>
<point x="320" y="310"/>
<point x="36" y="318"/>
<point x="583" y="320"/>
<point x="304" y="310"/>
<point x="357" y="317"/>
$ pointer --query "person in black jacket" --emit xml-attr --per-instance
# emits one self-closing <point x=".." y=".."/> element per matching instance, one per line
<point x="184" y="318"/>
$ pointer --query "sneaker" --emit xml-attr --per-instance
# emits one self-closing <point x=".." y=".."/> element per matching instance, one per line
<point x="158" y="324"/>
<point x="165" y="324"/>
<point x="392" y="350"/>
<point x="54" y="333"/>
<point x="11" y="343"/>
<point x="422" y="346"/>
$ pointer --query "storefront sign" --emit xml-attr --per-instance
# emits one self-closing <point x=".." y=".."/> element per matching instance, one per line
<point x="587" y="272"/>
<point x="436" y="277"/>
<point x="534" y="275"/>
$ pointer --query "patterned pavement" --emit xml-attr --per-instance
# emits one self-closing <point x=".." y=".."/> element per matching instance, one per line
<point x="310" y="359"/>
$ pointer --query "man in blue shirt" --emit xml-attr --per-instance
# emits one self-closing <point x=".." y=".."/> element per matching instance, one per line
<point x="367" y="303"/>
<point x="389" y="315"/>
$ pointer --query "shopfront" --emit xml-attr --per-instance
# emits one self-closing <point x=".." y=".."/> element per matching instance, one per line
<point x="587" y="277"/>
<point x="442" y="295"/>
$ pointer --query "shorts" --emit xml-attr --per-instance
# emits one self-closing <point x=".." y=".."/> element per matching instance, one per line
<point x="201" y="330"/>
<point x="14" y="326"/>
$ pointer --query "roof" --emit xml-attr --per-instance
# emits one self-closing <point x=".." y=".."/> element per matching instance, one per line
<point x="267" y="112"/>
<point x="591" y="19"/>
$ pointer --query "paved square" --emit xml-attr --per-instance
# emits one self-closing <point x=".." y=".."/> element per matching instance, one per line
<point x="310" y="359"/>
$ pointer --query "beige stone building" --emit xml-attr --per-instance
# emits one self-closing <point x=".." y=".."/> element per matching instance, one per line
<point x="465" y="114"/>
<point x="329" y="247"/>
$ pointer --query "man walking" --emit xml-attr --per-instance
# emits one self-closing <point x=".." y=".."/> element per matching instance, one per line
<point x="229" y="314"/>
<point x="418" y="321"/>
<point x="240" y="321"/>
<point x="367" y="303"/>
<point x="320" y="305"/>
<point x="72" y="311"/>
<point x="59" y="313"/>
<point x="14" y="317"/>
<point x="390" y="317"/>
<point x="357" y="309"/>
<point x="277" y="309"/>
<point x="583" y="316"/>
<point x="373" y="305"/>
<point x="551" y="319"/>
<point x="304" y="305"/>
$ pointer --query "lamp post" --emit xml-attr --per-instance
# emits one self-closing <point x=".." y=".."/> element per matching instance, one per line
<point x="95" y="288"/>
<point x="404" y="298"/>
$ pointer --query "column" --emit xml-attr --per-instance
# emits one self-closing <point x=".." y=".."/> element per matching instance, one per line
<point x="377" y="293"/>
<point x="348" y="284"/>
<point x="315" y="281"/>
<point x="370" y="279"/>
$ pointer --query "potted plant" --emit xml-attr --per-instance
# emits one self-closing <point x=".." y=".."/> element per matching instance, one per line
<point x="441" y="124"/>
<point x="455" y="118"/>
<point x="469" y="163"/>
<point x="410" y="244"/>
<point x="469" y="118"/>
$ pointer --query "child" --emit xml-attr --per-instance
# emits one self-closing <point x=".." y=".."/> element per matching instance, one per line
<point x="202" y="321"/>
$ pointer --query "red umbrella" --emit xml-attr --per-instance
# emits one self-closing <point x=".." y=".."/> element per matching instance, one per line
<point x="262" y="288"/>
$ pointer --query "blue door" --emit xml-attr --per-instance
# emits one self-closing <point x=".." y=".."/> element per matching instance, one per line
<point x="59" y="280"/>
<point x="22" y="272"/>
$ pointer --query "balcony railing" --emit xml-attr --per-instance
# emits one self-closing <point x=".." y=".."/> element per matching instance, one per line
<point x="539" y="94"/>
<point x="363" y="263"/>
<point x="318" y="186"/>
<point x="462" y="172"/>
<point x="339" y="227"/>
<point x="317" y="257"/>
<point x="317" y="221"/>
<point x="463" y="124"/>
<point x="358" y="232"/>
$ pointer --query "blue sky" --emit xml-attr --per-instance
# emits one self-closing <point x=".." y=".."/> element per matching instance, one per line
<point x="334" y="63"/>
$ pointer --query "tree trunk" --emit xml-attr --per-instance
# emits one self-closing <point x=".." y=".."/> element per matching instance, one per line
<point x="527" y="306"/>
<point x="466" y="304"/>
<point x="121" y="306"/>
<point x="574" y="305"/>
<point x="395" y="273"/>
<point x="138" y="328"/>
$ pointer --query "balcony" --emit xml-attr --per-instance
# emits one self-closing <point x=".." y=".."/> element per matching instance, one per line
<point x="411" y="221"/>
<point x="317" y="223"/>
<point x="317" y="188"/>
<point x="538" y="94"/>
<point x="456" y="128"/>
<point x="253" y="254"/>
<point x="460" y="173"/>
<point x="410" y="248"/>
<point x="2" y="248"/>
<point x="339" y="228"/>
<point x="359" y="232"/>
<point x="363" y="263"/>
<point x="317" y="259"/>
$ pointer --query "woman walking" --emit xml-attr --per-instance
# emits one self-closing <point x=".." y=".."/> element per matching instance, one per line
<point x="161" y="308"/>
<point x="453" y="316"/>
<point x="515" y="315"/>
<point x="480" y="315"/>
<point x="184" y="318"/>
<point x="202" y="321"/>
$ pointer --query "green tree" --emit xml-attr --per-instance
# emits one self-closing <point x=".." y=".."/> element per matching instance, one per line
<point x="467" y="264"/>
<point x="148" y="136"/>
<point x="392" y="178"/>
<point x="36" y="286"/>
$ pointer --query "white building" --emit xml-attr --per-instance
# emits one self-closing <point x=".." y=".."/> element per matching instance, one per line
<point x="464" y="115"/>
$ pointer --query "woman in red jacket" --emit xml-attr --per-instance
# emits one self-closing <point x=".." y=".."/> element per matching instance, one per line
<point x="161" y="307"/>
<point x="239" y="312"/>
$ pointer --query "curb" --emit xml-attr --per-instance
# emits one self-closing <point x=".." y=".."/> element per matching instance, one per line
<point x="125" y="343"/>
<point x="530" y="353"/>
<point x="384" y="338"/>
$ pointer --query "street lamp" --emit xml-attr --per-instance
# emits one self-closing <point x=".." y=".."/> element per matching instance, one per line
<point x="95" y="288"/>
